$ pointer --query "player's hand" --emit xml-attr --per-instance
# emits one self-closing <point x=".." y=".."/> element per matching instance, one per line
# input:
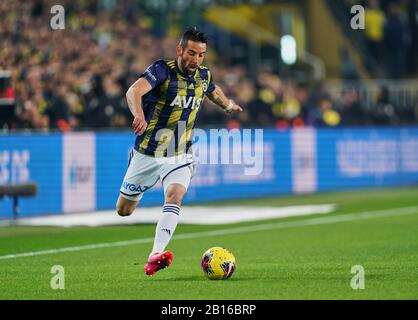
<point x="139" y="124"/>
<point x="233" y="107"/>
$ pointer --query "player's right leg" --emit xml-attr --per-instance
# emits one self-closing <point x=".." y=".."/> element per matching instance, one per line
<point x="141" y="175"/>
<point x="125" y="207"/>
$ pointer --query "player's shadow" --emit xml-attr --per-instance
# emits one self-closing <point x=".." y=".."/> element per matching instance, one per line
<point x="202" y="278"/>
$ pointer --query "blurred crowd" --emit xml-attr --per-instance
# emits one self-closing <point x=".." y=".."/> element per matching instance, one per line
<point x="77" y="77"/>
<point x="391" y="32"/>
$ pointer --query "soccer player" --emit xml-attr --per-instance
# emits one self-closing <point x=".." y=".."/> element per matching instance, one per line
<point x="165" y="101"/>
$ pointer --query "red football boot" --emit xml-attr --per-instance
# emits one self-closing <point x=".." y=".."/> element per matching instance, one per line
<point x="158" y="261"/>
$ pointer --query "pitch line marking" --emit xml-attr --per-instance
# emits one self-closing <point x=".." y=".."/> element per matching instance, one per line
<point x="260" y="227"/>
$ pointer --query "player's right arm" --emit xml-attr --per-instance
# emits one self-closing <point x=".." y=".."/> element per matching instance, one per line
<point x="155" y="75"/>
<point x="134" y="98"/>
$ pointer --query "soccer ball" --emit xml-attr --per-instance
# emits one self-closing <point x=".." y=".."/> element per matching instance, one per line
<point x="218" y="263"/>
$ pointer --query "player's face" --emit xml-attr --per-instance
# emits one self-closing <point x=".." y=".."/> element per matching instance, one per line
<point x="191" y="57"/>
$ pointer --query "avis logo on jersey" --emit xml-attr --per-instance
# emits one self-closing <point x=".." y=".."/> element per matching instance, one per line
<point x="185" y="102"/>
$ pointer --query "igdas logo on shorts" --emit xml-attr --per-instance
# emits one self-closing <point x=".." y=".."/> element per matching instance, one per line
<point x="134" y="188"/>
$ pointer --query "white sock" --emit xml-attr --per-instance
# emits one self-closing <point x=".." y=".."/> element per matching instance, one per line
<point x="165" y="227"/>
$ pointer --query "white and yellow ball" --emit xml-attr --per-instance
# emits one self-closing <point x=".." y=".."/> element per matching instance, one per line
<point x="218" y="263"/>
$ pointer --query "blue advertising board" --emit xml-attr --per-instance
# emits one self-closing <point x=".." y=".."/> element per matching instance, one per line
<point x="211" y="181"/>
<point x="353" y="158"/>
<point x="80" y="172"/>
<point x="37" y="158"/>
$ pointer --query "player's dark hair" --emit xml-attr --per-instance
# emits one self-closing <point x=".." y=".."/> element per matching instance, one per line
<point x="193" y="34"/>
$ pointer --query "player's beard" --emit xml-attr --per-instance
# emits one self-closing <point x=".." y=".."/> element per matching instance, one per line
<point x="185" y="67"/>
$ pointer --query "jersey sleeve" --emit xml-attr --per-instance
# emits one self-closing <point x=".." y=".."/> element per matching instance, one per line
<point x="156" y="73"/>
<point x="211" y="85"/>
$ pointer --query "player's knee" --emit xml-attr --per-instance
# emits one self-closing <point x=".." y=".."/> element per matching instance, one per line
<point x="124" y="210"/>
<point x="125" y="207"/>
<point x="175" y="194"/>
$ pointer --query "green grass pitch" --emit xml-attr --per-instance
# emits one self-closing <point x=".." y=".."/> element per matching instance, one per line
<point x="282" y="261"/>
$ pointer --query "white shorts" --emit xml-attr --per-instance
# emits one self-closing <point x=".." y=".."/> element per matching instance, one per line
<point x="144" y="172"/>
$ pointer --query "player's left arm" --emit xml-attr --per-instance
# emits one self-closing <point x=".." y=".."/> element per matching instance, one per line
<point x="218" y="97"/>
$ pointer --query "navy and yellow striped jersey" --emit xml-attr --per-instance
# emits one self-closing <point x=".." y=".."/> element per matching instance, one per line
<point x="171" y="107"/>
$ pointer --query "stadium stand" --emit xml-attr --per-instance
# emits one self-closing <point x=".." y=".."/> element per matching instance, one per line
<point x="78" y="78"/>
